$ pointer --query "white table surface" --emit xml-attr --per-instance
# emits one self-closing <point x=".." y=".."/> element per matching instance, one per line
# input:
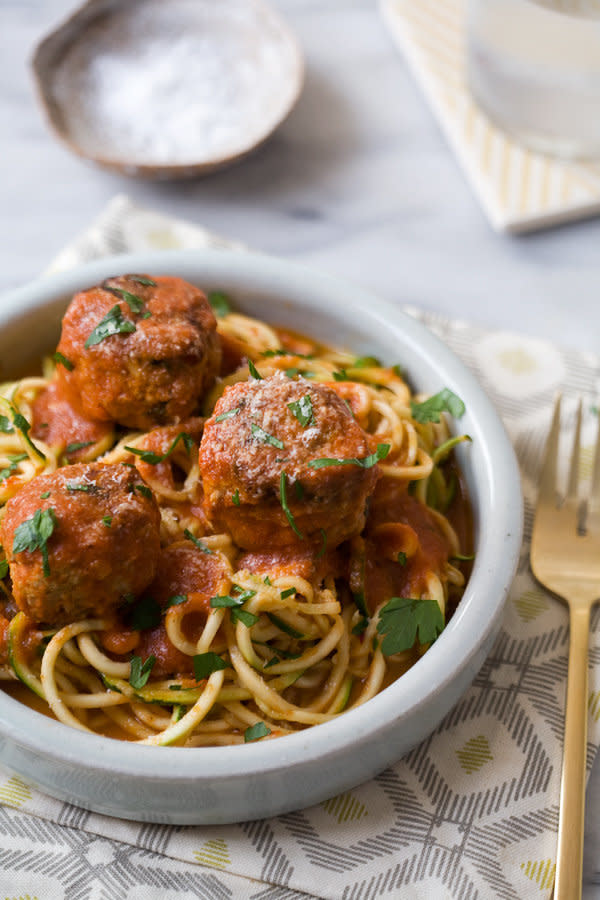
<point x="359" y="181"/>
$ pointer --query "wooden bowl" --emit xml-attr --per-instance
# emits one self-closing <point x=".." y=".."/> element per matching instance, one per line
<point x="168" y="90"/>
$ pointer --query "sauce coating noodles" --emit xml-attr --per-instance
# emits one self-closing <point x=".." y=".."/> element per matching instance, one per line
<point x="311" y="540"/>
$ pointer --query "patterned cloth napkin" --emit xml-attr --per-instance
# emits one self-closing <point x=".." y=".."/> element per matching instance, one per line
<point x="471" y="812"/>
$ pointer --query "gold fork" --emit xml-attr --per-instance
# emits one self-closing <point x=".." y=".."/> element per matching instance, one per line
<point x="565" y="558"/>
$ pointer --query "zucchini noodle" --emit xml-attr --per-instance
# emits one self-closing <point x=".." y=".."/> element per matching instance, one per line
<point x="286" y="646"/>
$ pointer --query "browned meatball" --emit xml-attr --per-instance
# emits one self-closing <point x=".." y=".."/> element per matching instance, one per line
<point x="140" y="351"/>
<point x="257" y="458"/>
<point x="79" y="540"/>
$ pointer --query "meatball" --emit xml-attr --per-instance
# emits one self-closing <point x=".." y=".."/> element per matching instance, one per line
<point x="140" y="351"/>
<point x="257" y="463"/>
<point x="79" y="540"/>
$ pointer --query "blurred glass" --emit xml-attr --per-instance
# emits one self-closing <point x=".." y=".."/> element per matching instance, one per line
<point x="533" y="66"/>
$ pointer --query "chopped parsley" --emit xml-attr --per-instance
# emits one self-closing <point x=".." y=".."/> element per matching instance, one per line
<point x="323" y="547"/>
<point x="45" y="495"/>
<point x="107" y="520"/>
<point x="365" y="463"/>
<point x="444" y="401"/>
<point x="59" y="358"/>
<point x="220" y="303"/>
<point x="144" y="490"/>
<point x="152" y="458"/>
<point x="341" y="375"/>
<point x="176" y="600"/>
<point x="198" y="543"/>
<point x="5" y="426"/>
<point x="143" y="613"/>
<point x="112" y="323"/>
<point x="303" y="410"/>
<point x="22" y="425"/>
<point x="289" y="592"/>
<point x="235" y="499"/>
<point x="228" y="415"/>
<point x="361" y="626"/>
<point x="285" y="507"/>
<point x="140" y="671"/>
<point x="234" y="602"/>
<point x="135" y="303"/>
<point x="14" y="461"/>
<point x="141" y="279"/>
<point x="33" y="534"/>
<point x="78" y="445"/>
<point x="366" y="362"/>
<point x="401" y="558"/>
<point x="86" y="487"/>
<point x="254" y="371"/>
<point x="403" y="619"/>
<point x="261" y="435"/>
<point x="256" y="732"/>
<point x="207" y="663"/>
<point x="283" y="626"/>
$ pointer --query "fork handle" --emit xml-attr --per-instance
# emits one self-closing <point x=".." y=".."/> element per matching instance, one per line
<point x="569" y="854"/>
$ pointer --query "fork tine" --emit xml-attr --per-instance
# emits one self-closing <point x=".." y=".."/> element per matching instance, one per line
<point x="574" y="466"/>
<point x="547" y="482"/>
<point x="595" y="485"/>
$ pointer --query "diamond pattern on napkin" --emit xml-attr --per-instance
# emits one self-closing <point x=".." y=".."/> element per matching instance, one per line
<point x="470" y="813"/>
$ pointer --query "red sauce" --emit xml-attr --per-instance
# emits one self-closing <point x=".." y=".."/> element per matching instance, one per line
<point x="59" y="421"/>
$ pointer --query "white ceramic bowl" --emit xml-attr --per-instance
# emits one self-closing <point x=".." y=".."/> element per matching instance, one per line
<point x="225" y="784"/>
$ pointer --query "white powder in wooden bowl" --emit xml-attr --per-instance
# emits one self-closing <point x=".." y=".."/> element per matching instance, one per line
<point x="177" y="82"/>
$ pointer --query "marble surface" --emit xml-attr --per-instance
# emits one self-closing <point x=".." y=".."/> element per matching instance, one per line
<point x="359" y="182"/>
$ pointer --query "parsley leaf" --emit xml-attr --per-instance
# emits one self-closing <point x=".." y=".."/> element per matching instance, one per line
<point x="152" y="458"/>
<point x="140" y="671"/>
<point x="59" y="358"/>
<point x="404" y="618"/>
<point x="141" y="279"/>
<point x="199" y="544"/>
<point x="12" y="467"/>
<point x="444" y="401"/>
<point x="144" y="613"/>
<point x="86" y="487"/>
<point x="207" y="663"/>
<point x="77" y="445"/>
<point x="33" y="534"/>
<point x="220" y="303"/>
<point x="365" y="463"/>
<point x="261" y="435"/>
<point x="366" y="362"/>
<point x="107" y="520"/>
<point x="234" y="601"/>
<point x="135" y="303"/>
<point x="284" y="504"/>
<point x="5" y="426"/>
<point x="235" y="499"/>
<point x="3" y="568"/>
<point x="228" y="415"/>
<point x="254" y="371"/>
<point x="255" y="732"/>
<point x="176" y="600"/>
<point x="303" y="410"/>
<point x="112" y="323"/>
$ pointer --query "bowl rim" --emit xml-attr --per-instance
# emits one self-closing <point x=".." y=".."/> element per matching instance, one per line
<point x="494" y="568"/>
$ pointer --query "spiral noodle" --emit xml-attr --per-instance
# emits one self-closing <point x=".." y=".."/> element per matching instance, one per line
<point x="304" y="651"/>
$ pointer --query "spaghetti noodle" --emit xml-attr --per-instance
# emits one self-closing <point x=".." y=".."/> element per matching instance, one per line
<point x="312" y="537"/>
